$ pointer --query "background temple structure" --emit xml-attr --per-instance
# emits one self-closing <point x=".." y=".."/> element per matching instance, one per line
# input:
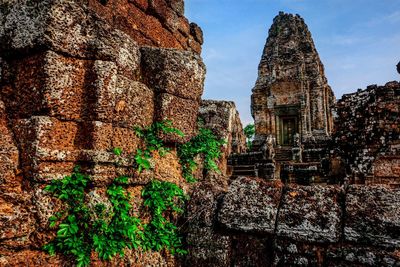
<point x="292" y="106"/>
<point x="291" y="94"/>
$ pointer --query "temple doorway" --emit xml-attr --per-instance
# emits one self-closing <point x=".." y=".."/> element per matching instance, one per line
<point x="289" y="129"/>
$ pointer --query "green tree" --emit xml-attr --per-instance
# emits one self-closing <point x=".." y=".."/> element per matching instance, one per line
<point x="249" y="132"/>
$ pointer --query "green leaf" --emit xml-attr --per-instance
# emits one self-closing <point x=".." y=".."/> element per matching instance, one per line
<point x="117" y="151"/>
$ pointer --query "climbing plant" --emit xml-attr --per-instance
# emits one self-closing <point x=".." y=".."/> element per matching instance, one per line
<point x="162" y="198"/>
<point x="107" y="227"/>
<point x="151" y="136"/>
<point x="206" y="144"/>
<point x="104" y="228"/>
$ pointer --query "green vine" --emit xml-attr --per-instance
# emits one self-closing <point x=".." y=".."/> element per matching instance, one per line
<point x="84" y="227"/>
<point x="162" y="198"/>
<point x="151" y="136"/>
<point x="206" y="144"/>
<point x="108" y="227"/>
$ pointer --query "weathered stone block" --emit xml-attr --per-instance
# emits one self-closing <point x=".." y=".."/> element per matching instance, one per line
<point x="250" y="205"/>
<point x="310" y="213"/>
<point x="119" y="99"/>
<point x="73" y="89"/>
<point x="167" y="168"/>
<point x="208" y="248"/>
<point x="67" y="27"/>
<point x="180" y="73"/>
<point x="51" y="84"/>
<point x="181" y="112"/>
<point x="387" y="168"/>
<point x="291" y="253"/>
<point x="251" y="251"/>
<point x="196" y="32"/>
<point x="45" y="205"/>
<point x="31" y="258"/>
<point x="372" y="216"/>
<point x="10" y="180"/>
<point x="16" y="220"/>
<point x="202" y="207"/>
<point x="354" y="255"/>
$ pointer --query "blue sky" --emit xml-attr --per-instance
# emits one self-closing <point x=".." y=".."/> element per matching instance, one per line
<point x="358" y="42"/>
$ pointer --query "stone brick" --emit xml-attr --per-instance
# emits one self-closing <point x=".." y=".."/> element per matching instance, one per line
<point x="310" y="214"/>
<point x="250" y="205"/>
<point x="45" y="205"/>
<point x="167" y="168"/>
<point x="31" y="258"/>
<point x="66" y="27"/>
<point x="16" y="220"/>
<point x="146" y="30"/>
<point x="196" y="32"/>
<point x="10" y="180"/>
<point x="368" y="133"/>
<point x="202" y="207"/>
<point x="48" y="83"/>
<point x="387" y="170"/>
<point x="181" y="112"/>
<point x="372" y="216"/>
<point x="180" y="73"/>
<point x="121" y="100"/>
<point x="291" y="253"/>
<point x="208" y="248"/>
<point x="353" y="255"/>
<point x="251" y="251"/>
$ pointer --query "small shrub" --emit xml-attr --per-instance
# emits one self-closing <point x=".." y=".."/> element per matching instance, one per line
<point x="249" y="132"/>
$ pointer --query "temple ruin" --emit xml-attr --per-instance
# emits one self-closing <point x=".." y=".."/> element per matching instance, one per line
<point x="292" y="105"/>
<point x="77" y="76"/>
<point x="291" y="95"/>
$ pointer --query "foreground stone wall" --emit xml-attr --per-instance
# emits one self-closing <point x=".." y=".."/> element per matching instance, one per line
<point x="257" y="223"/>
<point x="367" y="134"/>
<point x="76" y="76"/>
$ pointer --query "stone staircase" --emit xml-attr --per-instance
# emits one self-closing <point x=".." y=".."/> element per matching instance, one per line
<point x="243" y="170"/>
<point x="283" y="154"/>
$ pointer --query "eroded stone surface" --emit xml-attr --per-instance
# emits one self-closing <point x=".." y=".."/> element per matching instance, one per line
<point x="368" y="133"/>
<point x="181" y="112"/>
<point x="372" y="216"/>
<point x="250" y="205"/>
<point x="350" y="255"/>
<point x="84" y="30"/>
<point x="121" y="100"/>
<point x="311" y="213"/>
<point x="208" y="248"/>
<point x="180" y="73"/>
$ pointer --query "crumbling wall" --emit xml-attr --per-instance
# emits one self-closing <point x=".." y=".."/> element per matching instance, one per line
<point x="367" y="134"/>
<point x="223" y="119"/>
<point x="76" y="76"/>
<point x="258" y="223"/>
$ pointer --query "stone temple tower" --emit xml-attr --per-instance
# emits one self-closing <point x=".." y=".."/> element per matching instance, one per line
<point x="291" y="96"/>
